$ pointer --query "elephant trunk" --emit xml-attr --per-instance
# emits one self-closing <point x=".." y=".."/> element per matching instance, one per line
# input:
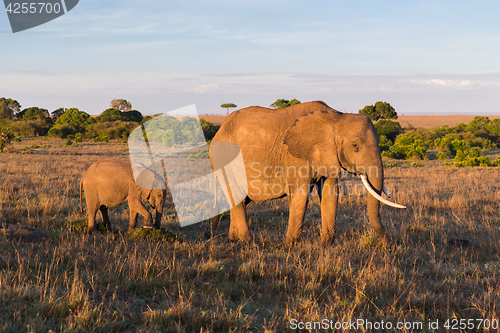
<point x="158" y="219"/>
<point x="376" y="179"/>
<point x="159" y="212"/>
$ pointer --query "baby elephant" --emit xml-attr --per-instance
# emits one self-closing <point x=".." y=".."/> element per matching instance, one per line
<point x="109" y="183"/>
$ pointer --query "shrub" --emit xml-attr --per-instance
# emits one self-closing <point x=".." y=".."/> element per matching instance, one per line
<point x="172" y="132"/>
<point x="388" y="128"/>
<point x="384" y="144"/>
<point x="75" y="118"/>
<point x="494" y="128"/>
<point x="62" y="131"/>
<point x="111" y="129"/>
<point x="104" y="138"/>
<point x="406" y="148"/>
<point x="209" y="130"/>
<point x="416" y="164"/>
<point x="472" y="157"/>
<point x="479" y="126"/>
<point x="5" y="137"/>
<point x="488" y="145"/>
<point x="441" y="155"/>
<point x="391" y="164"/>
<point x="38" y="127"/>
<point x="456" y="145"/>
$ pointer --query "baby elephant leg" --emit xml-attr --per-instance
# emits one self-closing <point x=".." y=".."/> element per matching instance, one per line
<point x="138" y="208"/>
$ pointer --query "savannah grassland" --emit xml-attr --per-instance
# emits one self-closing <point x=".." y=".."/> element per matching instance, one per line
<point x="121" y="282"/>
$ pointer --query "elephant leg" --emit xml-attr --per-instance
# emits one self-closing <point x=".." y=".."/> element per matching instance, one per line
<point x="238" y="227"/>
<point x="140" y="209"/>
<point x="297" y="204"/>
<point x="157" y="224"/>
<point x="92" y="207"/>
<point x="133" y="220"/>
<point x="329" y="199"/>
<point x="105" y="217"/>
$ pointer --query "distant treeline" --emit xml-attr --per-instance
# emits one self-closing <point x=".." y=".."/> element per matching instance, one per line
<point x="116" y="122"/>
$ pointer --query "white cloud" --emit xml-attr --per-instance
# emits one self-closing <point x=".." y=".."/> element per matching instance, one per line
<point x="449" y="83"/>
<point x="203" y="88"/>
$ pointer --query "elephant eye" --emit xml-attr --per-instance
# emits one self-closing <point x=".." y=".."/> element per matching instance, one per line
<point x="355" y="147"/>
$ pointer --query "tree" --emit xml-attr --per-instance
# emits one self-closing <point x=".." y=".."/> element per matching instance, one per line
<point x="110" y="114"/>
<point x="132" y="115"/>
<point x="9" y="107"/>
<point x="58" y="112"/>
<point x="121" y="104"/>
<point x="75" y="118"/>
<point x="227" y="106"/>
<point x="209" y="130"/>
<point x="284" y="103"/>
<point x="33" y="113"/>
<point x="381" y="110"/>
<point x="369" y="111"/>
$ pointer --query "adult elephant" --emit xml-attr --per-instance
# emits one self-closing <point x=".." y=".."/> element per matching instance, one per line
<point x="285" y="151"/>
<point x="110" y="183"/>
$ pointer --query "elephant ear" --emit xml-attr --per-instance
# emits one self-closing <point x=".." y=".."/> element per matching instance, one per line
<point x="312" y="138"/>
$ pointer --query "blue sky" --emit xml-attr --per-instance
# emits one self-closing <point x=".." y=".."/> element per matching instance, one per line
<point x="423" y="57"/>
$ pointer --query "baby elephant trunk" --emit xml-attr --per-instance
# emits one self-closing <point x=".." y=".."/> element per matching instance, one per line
<point x="157" y="204"/>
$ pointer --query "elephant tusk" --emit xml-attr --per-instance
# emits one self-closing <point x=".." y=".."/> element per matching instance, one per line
<point x="386" y="191"/>
<point x="377" y="196"/>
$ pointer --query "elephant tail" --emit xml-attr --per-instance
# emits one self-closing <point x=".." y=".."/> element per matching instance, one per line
<point x="81" y="207"/>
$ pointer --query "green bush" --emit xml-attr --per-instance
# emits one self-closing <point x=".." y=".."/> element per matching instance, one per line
<point x="415" y="164"/>
<point x="406" y="148"/>
<point x="104" y="138"/>
<point x="441" y="155"/>
<point x="470" y="158"/>
<point x="172" y="132"/>
<point x="456" y="145"/>
<point x="479" y="126"/>
<point x="385" y="143"/>
<point x="388" y="128"/>
<point x="209" y="130"/>
<point x="75" y="118"/>
<point x="62" y="131"/>
<point x="488" y="145"/>
<point x="36" y="127"/>
<point x="391" y="164"/>
<point x="111" y="129"/>
<point x="494" y="128"/>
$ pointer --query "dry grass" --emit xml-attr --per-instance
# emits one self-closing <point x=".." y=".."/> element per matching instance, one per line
<point x="75" y="282"/>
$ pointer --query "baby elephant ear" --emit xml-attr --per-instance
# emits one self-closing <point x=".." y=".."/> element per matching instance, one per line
<point x="312" y="138"/>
